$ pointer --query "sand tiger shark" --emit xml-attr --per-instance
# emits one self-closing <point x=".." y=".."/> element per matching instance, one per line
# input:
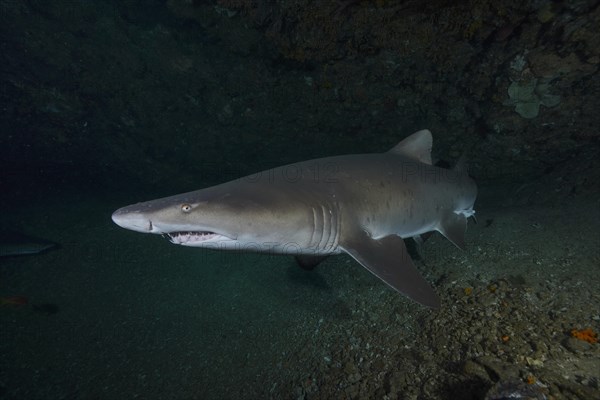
<point x="360" y="204"/>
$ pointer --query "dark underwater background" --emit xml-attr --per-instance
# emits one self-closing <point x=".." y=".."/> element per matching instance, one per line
<point x="107" y="103"/>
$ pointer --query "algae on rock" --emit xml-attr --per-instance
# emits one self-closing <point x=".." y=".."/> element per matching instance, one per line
<point x="527" y="95"/>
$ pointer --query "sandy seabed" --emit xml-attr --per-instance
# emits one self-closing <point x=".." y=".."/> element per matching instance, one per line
<point x="117" y="315"/>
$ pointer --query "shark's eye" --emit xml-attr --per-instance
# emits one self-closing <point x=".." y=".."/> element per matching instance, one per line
<point x="186" y="208"/>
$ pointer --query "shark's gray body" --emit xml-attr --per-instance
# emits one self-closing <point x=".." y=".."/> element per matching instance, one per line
<point x="361" y="204"/>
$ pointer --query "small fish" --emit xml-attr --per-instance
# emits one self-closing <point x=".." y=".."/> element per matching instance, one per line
<point x="13" y="301"/>
<point x="17" y="244"/>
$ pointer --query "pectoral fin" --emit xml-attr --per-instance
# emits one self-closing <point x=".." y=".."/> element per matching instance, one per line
<point x="388" y="259"/>
<point x="453" y="226"/>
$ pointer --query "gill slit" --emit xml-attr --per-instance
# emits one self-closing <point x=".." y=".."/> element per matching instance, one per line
<point x="314" y="227"/>
<point x="326" y="232"/>
<point x="338" y="226"/>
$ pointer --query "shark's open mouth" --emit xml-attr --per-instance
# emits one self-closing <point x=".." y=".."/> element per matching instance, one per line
<point x="190" y="237"/>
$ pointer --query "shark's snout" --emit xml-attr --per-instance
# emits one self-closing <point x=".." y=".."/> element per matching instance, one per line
<point x="132" y="218"/>
<point x="134" y="221"/>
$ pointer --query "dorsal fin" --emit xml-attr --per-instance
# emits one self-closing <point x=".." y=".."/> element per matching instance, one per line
<point x="417" y="146"/>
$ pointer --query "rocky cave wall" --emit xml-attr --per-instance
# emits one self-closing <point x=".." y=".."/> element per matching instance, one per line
<point x="191" y="91"/>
